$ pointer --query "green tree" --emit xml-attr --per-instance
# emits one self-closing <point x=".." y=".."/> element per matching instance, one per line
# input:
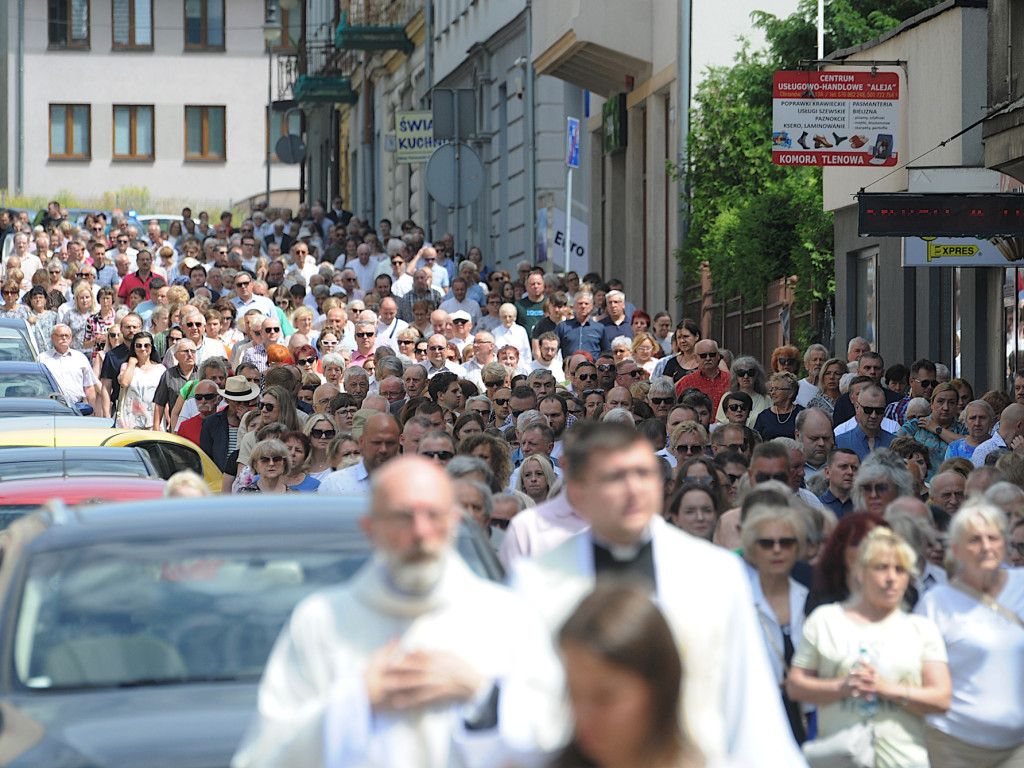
<point x="753" y="222"/>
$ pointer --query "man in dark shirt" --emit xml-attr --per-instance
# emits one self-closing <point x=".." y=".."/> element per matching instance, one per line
<point x="114" y="359"/>
<point x="531" y="306"/>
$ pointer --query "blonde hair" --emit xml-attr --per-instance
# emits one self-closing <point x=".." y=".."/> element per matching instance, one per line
<point x="882" y="540"/>
<point x="761" y="513"/>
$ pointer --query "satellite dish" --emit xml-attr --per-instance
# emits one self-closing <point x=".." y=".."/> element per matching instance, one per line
<point x="290" y="149"/>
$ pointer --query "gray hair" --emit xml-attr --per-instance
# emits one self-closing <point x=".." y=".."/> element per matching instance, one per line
<point x="463" y="465"/>
<point x="1005" y="495"/>
<point x="661" y="386"/>
<point x="218" y="363"/>
<point x="615" y="294"/>
<point x="496" y="369"/>
<point x="746" y="362"/>
<point x="354" y="371"/>
<point x="483" y="490"/>
<point x="972" y="512"/>
<point x="620" y="415"/>
<point x="855" y="341"/>
<point x="333" y="358"/>
<point x="622" y="341"/>
<point x="390" y="366"/>
<point x="529" y="418"/>
<point x="814" y="348"/>
<point x="539" y="373"/>
<point x="479" y="399"/>
<point x="882" y="465"/>
<point x="365" y="324"/>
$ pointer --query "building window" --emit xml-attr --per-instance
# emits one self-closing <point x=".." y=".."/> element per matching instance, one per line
<point x="68" y="23"/>
<point x="133" y="132"/>
<point x="204" y="133"/>
<point x="69" y="132"/>
<point x="291" y="27"/>
<point x="278" y="127"/>
<point x="132" y="22"/>
<point x="204" y="24"/>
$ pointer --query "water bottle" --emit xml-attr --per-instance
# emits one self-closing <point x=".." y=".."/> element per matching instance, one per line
<point x="868" y="706"/>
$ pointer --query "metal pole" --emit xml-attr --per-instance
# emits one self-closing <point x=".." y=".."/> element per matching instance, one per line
<point x="568" y="217"/>
<point x="529" y="160"/>
<point x="19" y="165"/>
<point x="683" y="119"/>
<point x="270" y="106"/>
<point x="821" y="29"/>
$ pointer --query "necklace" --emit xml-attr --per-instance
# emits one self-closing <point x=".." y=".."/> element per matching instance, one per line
<point x="783" y="420"/>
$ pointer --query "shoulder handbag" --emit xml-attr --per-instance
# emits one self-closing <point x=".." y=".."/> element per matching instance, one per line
<point x="852" y="747"/>
<point x="987" y="601"/>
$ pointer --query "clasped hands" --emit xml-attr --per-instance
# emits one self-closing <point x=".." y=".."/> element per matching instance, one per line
<point x="396" y="680"/>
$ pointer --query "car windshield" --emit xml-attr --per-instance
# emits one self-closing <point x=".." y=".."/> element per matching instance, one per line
<point x="14" y="346"/>
<point x="167" y="612"/>
<point x="24" y="384"/>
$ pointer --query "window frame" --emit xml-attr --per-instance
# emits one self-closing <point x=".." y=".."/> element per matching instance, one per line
<point x="134" y="156"/>
<point x="204" y="31"/>
<point x="131" y="46"/>
<point x="285" y="44"/>
<point x="68" y="134"/>
<point x="206" y="157"/>
<point x="70" y="44"/>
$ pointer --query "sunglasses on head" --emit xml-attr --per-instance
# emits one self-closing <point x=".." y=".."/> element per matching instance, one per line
<point x="589" y="392"/>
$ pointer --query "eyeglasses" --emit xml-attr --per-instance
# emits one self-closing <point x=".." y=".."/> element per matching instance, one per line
<point x="706" y="355"/>
<point x="587" y="376"/>
<point x="243" y="283"/>
<point x="633" y="374"/>
<point x="345" y="412"/>
<point x="326" y="343"/>
<point x="786" y="542"/>
<point x="306" y="360"/>
<point x="322" y="433"/>
<point x="208" y="396"/>
<point x="269" y="329"/>
<point x="267" y="406"/>
<point x="736" y="407"/>
<point x="605" y="367"/>
<point x="773" y="390"/>
<point x="875" y="488"/>
<point x="764" y="477"/>
<point x="589" y="392"/>
<point x="442" y="455"/>
<point x="365" y="334"/>
<point x="497" y="383"/>
<point x="501" y="401"/>
<point x="662" y="400"/>
<point x="405" y="342"/>
<point x="690" y="450"/>
<point x="53" y="271"/>
<point x="421" y="350"/>
<point x="927" y="383"/>
<point x="271" y="460"/>
<point x="194" y="325"/>
<point x="191" y="352"/>
<point x="10" y="293"/>
<point x="435" y="348"/>
<point x="460" y="321"/>
<point x="744" y="373"/>
<point x="429" y="260"/>
<point x="788" y="360"/>
<point x="738" y="447"/>
<point x="142" y="346"/>
<point x="172" y="339"/>
<point x="873" y="410"/>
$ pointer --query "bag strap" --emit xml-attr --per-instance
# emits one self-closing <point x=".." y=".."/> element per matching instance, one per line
<point x="987" y="601"/>
<point x="771" y="639"/>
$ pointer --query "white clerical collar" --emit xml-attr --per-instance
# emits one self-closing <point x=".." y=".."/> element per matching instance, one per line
<point x="623" y="552"/>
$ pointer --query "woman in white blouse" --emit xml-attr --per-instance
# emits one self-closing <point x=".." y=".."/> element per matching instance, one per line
<point x="979" y="616"/>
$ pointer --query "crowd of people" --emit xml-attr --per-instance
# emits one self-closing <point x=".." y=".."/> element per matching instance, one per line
<point x="833" y="543"/>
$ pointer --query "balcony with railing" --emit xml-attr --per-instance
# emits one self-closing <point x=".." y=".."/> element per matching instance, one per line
<point x="596" y="46"/>
<point x="375" y="25"/>
<point x="324" y="75"/>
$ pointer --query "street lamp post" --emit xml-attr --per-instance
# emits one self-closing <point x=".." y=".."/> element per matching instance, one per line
<point x="271" y="34"/>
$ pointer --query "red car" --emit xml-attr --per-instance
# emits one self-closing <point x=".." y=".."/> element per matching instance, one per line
<point x="23" y="497"/>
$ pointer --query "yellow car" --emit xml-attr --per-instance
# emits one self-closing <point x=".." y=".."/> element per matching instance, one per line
<point x="168" y="452"/>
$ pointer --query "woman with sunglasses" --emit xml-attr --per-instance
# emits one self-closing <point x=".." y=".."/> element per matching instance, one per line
<point x="491" y="319"/>
<point x="100" y="321"/>
<point x="684" y="359"/>
<point x="55" y="273"/>
<point x="328" y="340"/>
<point x="272" y="462"/>
<point x="828" y="385"/>
<point x="773" y="538"/>
<point x="284" y="301"/>
<point x="10" y="291"/>
<point x="307" y="360"/>
<point x="77" y="318"/>
<point x="320" y="430"/>
<point x="747" y="376"/>
<point x="139" y="378"/>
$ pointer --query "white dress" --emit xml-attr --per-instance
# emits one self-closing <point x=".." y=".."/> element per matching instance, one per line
<point x="135" y="407"/>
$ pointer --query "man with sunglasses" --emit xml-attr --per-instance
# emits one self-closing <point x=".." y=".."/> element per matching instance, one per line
<point x="584" y="377"/>
<point x="483" y="354"/>
<point x="436" y="361"/>
<point x="922" y="383"/>
<point x="872" y="365"/>
<point x="175" y="377"/>
<point x="868" y="435"/>
<point x="246" y="299"/>
<point x="708" y="378"/>
<point x="72" y="370"/>
<point x="268" y="331"/>
<point x="115" y="358"/>
<point x="207" y="399"/>
<point x="218" y="436"/>
<point x="122" y="245"/>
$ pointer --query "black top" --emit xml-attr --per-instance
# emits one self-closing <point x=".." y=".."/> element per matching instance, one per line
<point x="640" y="567"/>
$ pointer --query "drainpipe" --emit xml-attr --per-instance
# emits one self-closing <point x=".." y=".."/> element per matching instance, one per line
<point x="19" y="160"/>
<point x="683" y="32"/>
<point x="530" y="158"/>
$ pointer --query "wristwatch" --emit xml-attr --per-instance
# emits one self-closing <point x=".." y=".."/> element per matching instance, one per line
<point x="938" y="431"/>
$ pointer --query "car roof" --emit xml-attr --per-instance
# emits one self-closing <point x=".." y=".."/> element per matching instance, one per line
<point x="75" y="490"/>
<point x="13" y="322"/>
<point x="37" y="406"/>
<point x="37" y="429"/>
<point x="192" y="518"/>
<point x="43" y="453"/>
<point x="20" y="366"/>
